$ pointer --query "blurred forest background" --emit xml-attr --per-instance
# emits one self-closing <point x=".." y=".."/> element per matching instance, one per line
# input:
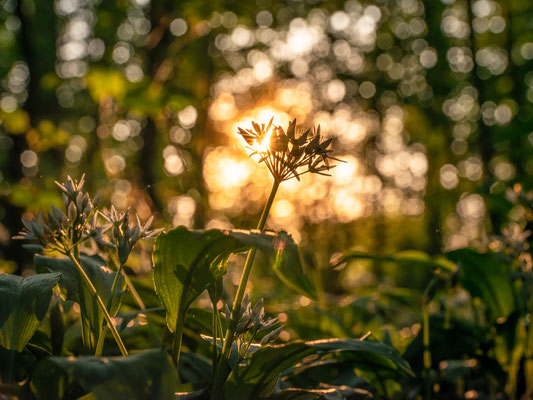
<point x="430" y="104"/>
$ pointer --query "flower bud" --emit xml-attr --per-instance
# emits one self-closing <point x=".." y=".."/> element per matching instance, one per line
<point x="72" y="212"/>
<point x="270" y="337"/>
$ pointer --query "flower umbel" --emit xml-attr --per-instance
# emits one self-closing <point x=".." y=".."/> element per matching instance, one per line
<point x="64" y="230"/>
<point x="286" y="154"/>
<point x="123" y="234"/>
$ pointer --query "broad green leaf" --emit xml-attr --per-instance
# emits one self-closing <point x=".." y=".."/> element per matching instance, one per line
<point x="259" y="377"/>
<point x="365" y="354"/>
<point x="72" y="288"/>
<point x="147" y="374"/>
<point x="23" y="305"/>
<point x="488" y="277"/>
<point x="187" y="261"/>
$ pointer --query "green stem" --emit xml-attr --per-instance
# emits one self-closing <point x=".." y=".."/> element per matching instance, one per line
<point x="129" y="283"/>
<point x="103" y="331"/>
<point x="528" y="362"/>
<point x="133" y="291"/>
<point x="100" y="342"/>
<point x="215" y="337"/>
<point x="230" y="333"/>
<point x="100" y="303"/>
<point x="426" y="298"/>
<point x="86" y="333"/>
<point x="220" y="329"/>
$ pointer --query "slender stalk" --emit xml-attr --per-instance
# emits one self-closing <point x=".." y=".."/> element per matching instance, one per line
<point x="86" y="334"/>
<point x="100" y="303"/>
<point x="427" y="351"/>
<point x="220" y="329"/>
<point x="100" y="342"/>
<point x="103" y="331"/>
<point x="133" y="291"/>
<point x="129" y="284"/>
<point x="215" y="337"/>
<point x="230" y="333"/>
<point x="528" y="361"/>
<point x="426" y="298"/>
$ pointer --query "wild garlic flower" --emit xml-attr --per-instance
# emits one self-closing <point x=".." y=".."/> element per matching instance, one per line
<point x="286" y="154"/>
<point x="124" y="235"/>
<point x="252" y="320"/>
<point x="64" y="230"/>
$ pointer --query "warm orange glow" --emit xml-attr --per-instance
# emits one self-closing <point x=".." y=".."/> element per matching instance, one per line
<point x="231" y="175"/>
<point x="261" y="114"/>
<point x="347" y="195"/>
<point x="264" y="146"/>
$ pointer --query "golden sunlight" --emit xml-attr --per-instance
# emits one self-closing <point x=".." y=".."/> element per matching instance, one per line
<point x="230" y="174"/>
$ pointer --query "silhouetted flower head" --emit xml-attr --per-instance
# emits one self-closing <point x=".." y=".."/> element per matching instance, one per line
<point x="288" y="154"/>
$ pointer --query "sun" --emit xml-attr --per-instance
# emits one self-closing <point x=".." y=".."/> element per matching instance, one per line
<point x="264" y="145"/>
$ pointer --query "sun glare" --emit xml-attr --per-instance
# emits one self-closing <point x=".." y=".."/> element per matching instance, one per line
<point x="264" y="146"/>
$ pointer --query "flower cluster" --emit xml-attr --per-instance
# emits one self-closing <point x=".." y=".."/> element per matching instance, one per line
<point x="285" y="153"/>
<point x="64" y="230"/>
<point x="252" y="321"/>
<point x="124" y="235"/>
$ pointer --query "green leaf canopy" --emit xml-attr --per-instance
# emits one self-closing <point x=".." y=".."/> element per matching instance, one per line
<point x="488" y="277"/>
<point x="187" y="261"/>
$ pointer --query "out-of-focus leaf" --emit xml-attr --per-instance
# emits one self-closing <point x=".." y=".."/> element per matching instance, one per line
<point x="105" y="83"/>
<point x="456" y="340"/>
<point x="488" y="277"/>
<point x="72" y="287"/>
<point x="147" y="374"/>
<point x="407" y="257"/>
<point x="23" y="305"/>
<point x="187" y="261"/>
<point x="15" y="122"/>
